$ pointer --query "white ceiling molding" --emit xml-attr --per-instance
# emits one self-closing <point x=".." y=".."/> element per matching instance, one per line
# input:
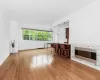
<point x="64" y="24"/>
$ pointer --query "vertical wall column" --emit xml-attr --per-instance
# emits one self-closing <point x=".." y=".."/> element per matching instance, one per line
<point x="14" y="35"/>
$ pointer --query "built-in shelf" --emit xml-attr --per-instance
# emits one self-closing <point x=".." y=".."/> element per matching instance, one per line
<point x="67" y="34"/>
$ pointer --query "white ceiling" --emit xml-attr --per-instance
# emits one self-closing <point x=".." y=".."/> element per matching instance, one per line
<point x="42" y="12"/>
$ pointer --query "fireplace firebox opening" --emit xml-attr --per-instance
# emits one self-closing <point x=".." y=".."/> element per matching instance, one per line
<point x="86" y="54"/>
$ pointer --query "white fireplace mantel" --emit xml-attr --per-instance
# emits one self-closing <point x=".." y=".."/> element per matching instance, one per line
<point x="94" y="48"/>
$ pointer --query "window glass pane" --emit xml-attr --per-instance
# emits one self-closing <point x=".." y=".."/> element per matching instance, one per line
<point x="26" y="37"/>
<point x="25" y="34"/>
<point x="30" y="34"/>
<point x="39" y="35"/>
<point x="49" y="36"/>
<point x="34" y="35"/>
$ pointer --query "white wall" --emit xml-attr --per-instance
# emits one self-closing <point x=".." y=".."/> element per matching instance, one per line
<point x="26" y="44"/>
<point x="4" y="37"/>
<point x="14" y="34"/>
<point x="60" y="36"/>
<point x="84" y="25"/>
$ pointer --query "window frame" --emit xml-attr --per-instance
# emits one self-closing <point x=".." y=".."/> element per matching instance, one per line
<point x="36" y="30"/>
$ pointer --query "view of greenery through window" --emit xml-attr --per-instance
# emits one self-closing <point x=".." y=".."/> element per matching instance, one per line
<point x="37" y="35"/>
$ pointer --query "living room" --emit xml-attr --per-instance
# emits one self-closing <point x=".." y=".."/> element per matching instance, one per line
<point x="56" y="38"/>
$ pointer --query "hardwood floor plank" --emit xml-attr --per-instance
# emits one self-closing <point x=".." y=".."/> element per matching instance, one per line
<point x="42" y="65"/>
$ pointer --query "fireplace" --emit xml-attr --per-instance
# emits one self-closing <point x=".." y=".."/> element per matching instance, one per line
<point x="88" y="55"/>
<point x="85" y="54"/>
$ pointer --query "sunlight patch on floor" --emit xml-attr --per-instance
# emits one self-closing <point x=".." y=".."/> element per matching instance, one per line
<point x="41" y="61"/>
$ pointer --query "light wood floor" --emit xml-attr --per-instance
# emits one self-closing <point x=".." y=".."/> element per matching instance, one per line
<point x="38" y="65"/>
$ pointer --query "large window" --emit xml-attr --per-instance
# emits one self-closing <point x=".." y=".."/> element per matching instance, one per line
<point x="38" y="35"/>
